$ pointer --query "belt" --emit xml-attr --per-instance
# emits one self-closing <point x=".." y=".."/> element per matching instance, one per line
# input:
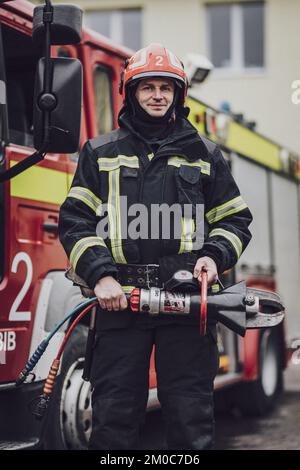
<point x="139" y="275"/>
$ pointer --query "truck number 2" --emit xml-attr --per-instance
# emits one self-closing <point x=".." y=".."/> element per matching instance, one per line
<point x="14" y="314"/>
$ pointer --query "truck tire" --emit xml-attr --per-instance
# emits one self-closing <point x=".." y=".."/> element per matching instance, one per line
<point x="259" y="397"/>
<point x="68" y="423"/>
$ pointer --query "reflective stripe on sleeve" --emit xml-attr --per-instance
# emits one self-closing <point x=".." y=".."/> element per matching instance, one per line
<point x="231" y="237"/>
<point x="82" y="245"/>
<point x="88" y="197"/>
<point x="230" y="207"/>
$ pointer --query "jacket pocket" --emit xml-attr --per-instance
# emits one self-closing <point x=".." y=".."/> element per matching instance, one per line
<point x="189" y="187"/>
<point x="128" y="172"/>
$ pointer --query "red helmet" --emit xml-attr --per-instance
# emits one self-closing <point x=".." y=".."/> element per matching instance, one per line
<point x="153" y="61"/>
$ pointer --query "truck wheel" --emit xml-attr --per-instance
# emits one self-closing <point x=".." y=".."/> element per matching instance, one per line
<point x="69" y="418"/>
<point x="259" y="397"/>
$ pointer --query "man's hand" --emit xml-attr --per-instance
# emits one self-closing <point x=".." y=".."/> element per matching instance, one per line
<point x="110" y="294"/>
<point x="210" y="266"/>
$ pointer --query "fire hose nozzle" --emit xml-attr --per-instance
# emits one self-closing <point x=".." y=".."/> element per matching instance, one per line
<point x="237" y="307"/>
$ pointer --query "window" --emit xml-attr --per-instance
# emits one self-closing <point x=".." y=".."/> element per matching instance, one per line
<point x="103" y="98"/>
<point x="20" y="62"/>
<point x="236" y="35"/>
<point x="123" y="26"/>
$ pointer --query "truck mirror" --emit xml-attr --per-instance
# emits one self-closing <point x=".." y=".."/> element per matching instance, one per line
<point x="57" y="114"/>
<point x="65" y="25"/>
<point x="58" y="86"/>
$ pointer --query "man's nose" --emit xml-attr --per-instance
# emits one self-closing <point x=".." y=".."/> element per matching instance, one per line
<point x="157" y="94"/>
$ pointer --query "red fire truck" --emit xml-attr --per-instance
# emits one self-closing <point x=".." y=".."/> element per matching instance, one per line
<point x="34" y="293"/>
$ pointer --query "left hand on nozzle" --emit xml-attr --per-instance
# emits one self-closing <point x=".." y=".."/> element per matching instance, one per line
<point x="207" y="264"/>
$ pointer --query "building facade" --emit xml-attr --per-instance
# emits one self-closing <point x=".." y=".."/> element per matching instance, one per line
<point x="254" y="46"/>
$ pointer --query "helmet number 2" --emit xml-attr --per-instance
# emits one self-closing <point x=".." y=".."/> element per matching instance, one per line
<point x="14" y="314"/>
<point x="159" y="60"/>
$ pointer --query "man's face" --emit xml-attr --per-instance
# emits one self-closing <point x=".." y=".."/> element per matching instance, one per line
<point x="155" y="95"/>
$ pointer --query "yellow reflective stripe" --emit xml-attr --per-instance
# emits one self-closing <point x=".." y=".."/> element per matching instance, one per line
<point x="215" y="288"/>
<point x="230" y="207"/>
<point x="128" y="289"/>
<point x="86" y="196"/>
<point x="224" y="206"/>
<point x="178" y="161"/>
<point x="150" y="156"/>
<point x="232" y="237"/>
<point x="118" y="211"/>
<point x="113" y="163"/>
<point x="232" y="211"/>
<point x="186" y="241"/>
<point x="115" y="218"/>
<point x="82" y="245"/>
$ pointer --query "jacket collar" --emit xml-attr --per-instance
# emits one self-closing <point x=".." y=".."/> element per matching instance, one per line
<point x="184" y="141"/>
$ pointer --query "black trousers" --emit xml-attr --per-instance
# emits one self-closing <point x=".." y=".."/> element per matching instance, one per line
<point x="186" y="365"/>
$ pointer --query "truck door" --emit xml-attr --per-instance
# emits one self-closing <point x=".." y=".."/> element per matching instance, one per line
<point x="102" y="73"/>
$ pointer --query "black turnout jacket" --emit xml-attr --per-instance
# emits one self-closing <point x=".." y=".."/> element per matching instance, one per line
<point x="184" y="169"/>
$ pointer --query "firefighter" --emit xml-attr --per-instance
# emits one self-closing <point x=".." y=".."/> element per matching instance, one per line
<point x="155" y="157"/>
